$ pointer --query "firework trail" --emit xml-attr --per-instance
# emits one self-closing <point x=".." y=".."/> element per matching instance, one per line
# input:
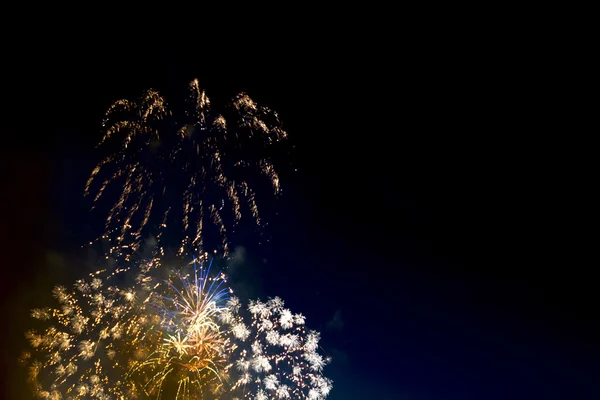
<point x="186" y="169"/>
<point x="170" y="334"/>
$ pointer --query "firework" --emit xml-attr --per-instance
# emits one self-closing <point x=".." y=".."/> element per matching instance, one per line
<point x="81" y="350"/>
<point x="156" y="338"/>
<point x="276" y="357"/>
<point x="192" y="359"/>
<point x="172" y="334"/>
<point x="186" y="169"/>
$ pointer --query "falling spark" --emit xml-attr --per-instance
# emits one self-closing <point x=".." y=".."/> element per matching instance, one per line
<point x="192" y="156"/>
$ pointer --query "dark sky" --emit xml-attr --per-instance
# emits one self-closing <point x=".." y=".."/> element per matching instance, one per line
<point x="431" y="231"/>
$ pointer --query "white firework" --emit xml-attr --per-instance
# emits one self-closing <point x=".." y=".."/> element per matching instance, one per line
<point x="277" y="358"/>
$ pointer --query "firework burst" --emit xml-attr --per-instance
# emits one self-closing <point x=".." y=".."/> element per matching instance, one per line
<point x="79" y="346"/>
<point x="275" y="357"/>
<point x="172" y="334"/>
<point x="154" y="338"/>
<point x="192" y="359"/>
<point x="194" y="158"/>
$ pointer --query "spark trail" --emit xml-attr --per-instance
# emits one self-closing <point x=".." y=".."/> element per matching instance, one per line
<point x="187" y="170"/>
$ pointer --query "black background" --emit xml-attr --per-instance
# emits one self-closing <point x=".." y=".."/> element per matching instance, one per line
<point x="439" y="209"/>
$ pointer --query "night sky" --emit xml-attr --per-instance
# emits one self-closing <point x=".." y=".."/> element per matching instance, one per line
<point x="429" y="232"/>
